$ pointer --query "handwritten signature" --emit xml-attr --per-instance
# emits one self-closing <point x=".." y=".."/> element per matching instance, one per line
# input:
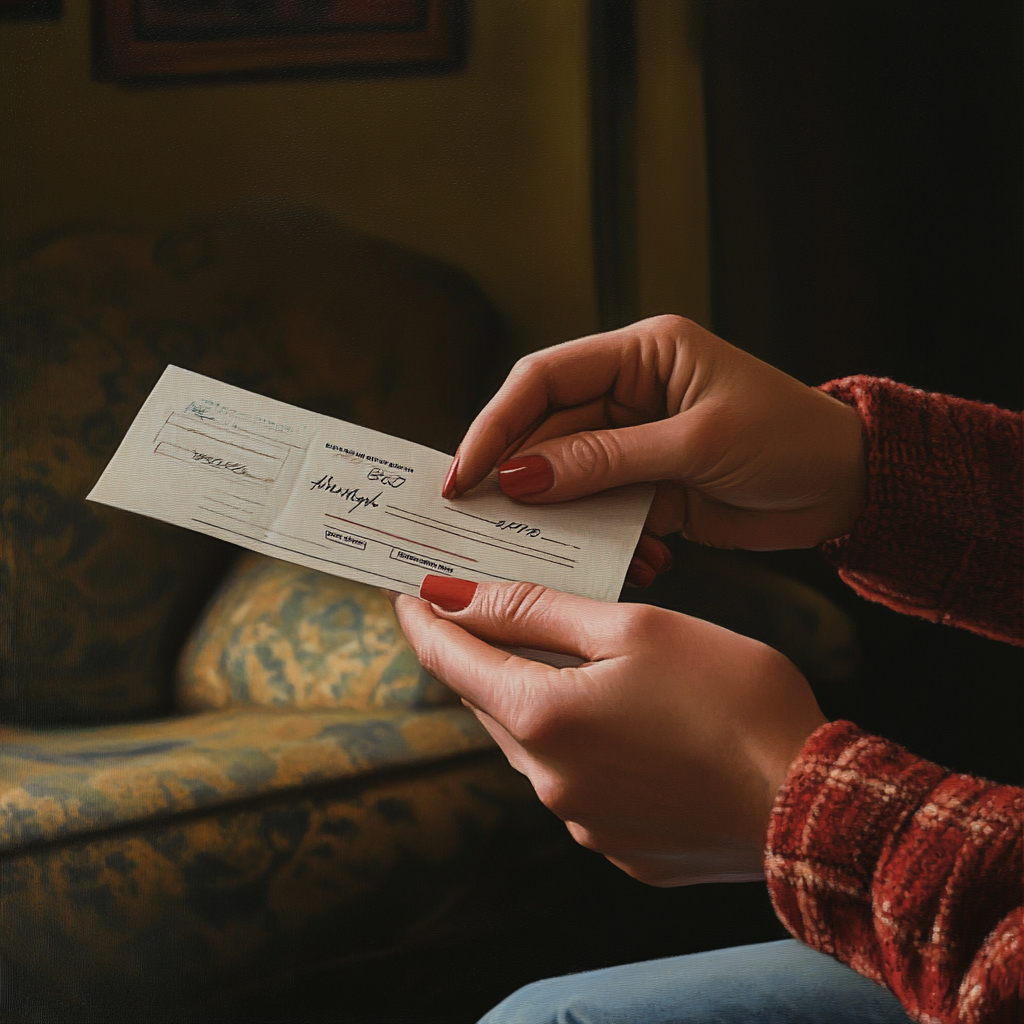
<point x="238" y="468"/>
<point x="359" y="501"/>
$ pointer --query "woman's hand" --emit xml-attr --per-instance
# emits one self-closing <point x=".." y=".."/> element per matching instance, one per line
<point x="663" y="751"/>
<point x="745" y="456"/>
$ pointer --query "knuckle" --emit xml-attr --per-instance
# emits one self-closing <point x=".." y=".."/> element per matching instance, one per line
<point x="431" y="657"/>
<point x="514" y="602"/>
<point x="594" y="452"/>
<point x="523" y="366"/>
<point x="642" y="622"/>
<point x="538" y="723"/>
<point x="583" y="836"/>
<point x="672" y="323"/>
<point x="533" y="365"/>
<point x="552" y="794"/>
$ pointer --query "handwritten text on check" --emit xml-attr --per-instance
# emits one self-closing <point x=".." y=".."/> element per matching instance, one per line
<point x="350" y="501"/>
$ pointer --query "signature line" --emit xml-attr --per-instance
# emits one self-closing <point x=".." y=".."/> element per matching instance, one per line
<point x="408" y="540"/>
<point x="550" y="540"/>
<point x="487" y="543"/>
<point x="477" y="533"/>
<point x="283" y="547"/>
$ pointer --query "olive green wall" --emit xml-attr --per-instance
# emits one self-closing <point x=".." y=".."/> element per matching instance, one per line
<point x="487" y="168"/>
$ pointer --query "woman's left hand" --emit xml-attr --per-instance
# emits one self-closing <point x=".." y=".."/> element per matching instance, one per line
<point x="663" y="751"/>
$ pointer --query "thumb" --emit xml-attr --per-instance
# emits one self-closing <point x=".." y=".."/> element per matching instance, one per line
<point x="448" y="636"/>
<point x="524" y="615"/>
<point x="594" y="460"/>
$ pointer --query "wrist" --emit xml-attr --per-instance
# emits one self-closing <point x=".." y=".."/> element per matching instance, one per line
<point x="850" y="472"/>
<point x="798" y="717"/>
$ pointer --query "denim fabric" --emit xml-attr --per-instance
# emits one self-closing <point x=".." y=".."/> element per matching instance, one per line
<point x="768" y="983"/>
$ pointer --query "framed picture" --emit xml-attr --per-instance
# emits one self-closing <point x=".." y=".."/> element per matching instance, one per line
<point x="153" y="40"/>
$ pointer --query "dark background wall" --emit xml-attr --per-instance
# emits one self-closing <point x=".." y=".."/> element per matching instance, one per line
<point x="865" y="193"/>
<point x="866" y="188"/>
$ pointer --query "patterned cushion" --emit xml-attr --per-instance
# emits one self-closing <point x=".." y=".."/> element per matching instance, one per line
<point x="280" y="634"/>
<point x="149" y="866"/>
<point x="72" y="783"/>
<point x="98" y="602"/>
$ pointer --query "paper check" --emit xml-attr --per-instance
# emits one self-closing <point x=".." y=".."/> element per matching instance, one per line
<point x="350" y="501"/>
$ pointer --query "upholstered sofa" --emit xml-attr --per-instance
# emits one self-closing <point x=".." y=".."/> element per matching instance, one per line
<point x="217" y="770"/>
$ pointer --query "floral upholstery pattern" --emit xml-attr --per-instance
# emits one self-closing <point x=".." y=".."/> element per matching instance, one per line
<point x="63" y="784"/>
<point x="293" y="306"/>
<point x="158" y="864"/>
<point x="282" y="635"/>
<point x="158" y="917"/>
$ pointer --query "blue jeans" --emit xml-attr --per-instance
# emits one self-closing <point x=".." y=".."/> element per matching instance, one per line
<point x="768" y="983"/>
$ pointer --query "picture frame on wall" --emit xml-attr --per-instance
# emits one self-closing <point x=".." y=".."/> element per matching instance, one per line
<point x="149" y="41"/>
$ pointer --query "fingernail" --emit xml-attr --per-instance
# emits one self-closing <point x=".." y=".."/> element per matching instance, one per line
<point x="531" y="474"/>
<point x="640" y="574"/>
<point x="449" y="594"/>
<point x="654" y="553"/>
<point x="448" y="487"/>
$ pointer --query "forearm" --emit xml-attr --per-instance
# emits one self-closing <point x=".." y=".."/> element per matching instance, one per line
<point x="940" y="535"/>
<point x="907" y="873"/>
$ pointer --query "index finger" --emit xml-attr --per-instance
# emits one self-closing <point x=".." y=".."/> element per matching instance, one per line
<point x="563" y="377"/>
<point x="491" y="680"/>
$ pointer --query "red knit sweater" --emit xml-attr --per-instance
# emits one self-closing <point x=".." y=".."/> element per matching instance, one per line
<point x="908" y="873"/>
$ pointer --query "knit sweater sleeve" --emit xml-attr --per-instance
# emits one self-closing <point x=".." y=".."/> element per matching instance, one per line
<point x="912" y="875"/>
<point x="942" y="531"/>
<point x="905" y="872"/>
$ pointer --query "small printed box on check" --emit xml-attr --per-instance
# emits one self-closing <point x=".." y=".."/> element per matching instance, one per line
<point x="350" y="501"/>
<point x="344" y="538"/>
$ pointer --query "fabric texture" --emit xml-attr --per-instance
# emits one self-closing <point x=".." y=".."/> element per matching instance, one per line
<point x="942" y="533"/>
<point x="64" y="784"/>
<point x="902" y="870"/>
<point x="290" y="305"/>
<point x="167" y="915"/>
<point x="770" y="983"/>
<point x="282" y="635"/>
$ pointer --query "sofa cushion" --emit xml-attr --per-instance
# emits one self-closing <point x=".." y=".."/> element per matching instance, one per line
<point x="59" y="785"/>
<point x="98" y="601"/>
<point x="280" y="634"/>
<point x="197" y="871"/>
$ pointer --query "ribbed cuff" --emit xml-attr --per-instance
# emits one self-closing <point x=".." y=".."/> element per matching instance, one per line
<point x="940" y="535"/>
<point x="843" y="803"/>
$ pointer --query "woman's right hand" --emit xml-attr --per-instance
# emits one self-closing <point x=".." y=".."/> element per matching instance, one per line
<point x="744" y="455"/>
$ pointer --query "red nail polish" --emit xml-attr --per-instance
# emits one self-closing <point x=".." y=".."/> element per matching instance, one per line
<point x="448" y="487"/>
<point x="452" y="595"/>
<point x="531" y="474"/>
<point x="650" y="550"/>
<point x="640" y="574"/>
